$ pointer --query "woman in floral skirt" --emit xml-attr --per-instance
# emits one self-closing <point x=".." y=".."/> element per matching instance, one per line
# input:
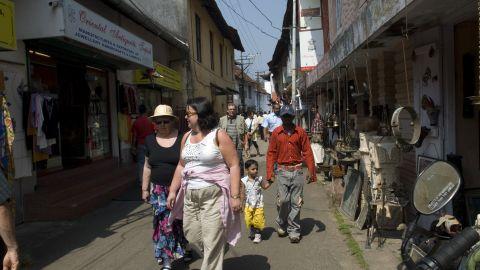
<point x="162" y="155"/>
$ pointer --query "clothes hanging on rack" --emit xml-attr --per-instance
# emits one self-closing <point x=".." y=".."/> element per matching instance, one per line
<point x="42" y="120"/>
<point x="50" y="117"/>
<point x="125" y="127"/>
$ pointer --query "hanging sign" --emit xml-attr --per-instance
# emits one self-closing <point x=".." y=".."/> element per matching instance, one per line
<point x="7" y="26"/>
<point x="160" y="75"/>
<point x="85" y="26"/>
<point x="310" y="34"/>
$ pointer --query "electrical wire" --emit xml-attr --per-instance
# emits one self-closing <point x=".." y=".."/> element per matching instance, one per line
<point x="248" y="28"/>
<point x="249" y="33"/>
<point x="258" y="28"/>
<point x="240" y="26"/>
<point x="266" y="17"/>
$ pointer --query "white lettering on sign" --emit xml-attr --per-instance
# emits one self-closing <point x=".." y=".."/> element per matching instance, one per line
<point x="87" y="27"/>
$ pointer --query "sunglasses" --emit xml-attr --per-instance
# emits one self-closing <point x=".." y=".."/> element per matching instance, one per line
<point x="190" y="113"/>
<point x="164" y="122"/>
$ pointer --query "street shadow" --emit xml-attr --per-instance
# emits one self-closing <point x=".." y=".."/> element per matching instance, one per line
<point x="267" y="232"/>
<point x="308" y="224"/>
<point x="250" y="262"/>
<point x="43" y="243"/>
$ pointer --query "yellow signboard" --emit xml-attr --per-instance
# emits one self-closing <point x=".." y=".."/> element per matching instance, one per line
<point x="161" y="75"/>
<point x="7" y="25"/>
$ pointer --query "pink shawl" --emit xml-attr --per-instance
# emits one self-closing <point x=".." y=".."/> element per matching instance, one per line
<point x="219" y="176"/>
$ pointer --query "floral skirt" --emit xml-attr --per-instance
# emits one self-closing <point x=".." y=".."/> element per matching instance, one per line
<point x="168" y="241"/>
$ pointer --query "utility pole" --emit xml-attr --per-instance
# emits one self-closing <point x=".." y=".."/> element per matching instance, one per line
<point x="243" y="66"/>
<point x="294" y="53"/>
<point x="258" y="74"/>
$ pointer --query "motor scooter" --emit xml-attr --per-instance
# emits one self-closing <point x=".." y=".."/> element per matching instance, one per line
<point x="445" y="245"/>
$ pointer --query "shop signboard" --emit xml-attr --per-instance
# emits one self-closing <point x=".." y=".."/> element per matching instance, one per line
<point x="85" y="26"/>
<point x="8" y="40"/>
<point x="310" y="34"/>
<point x="160" y="75"/>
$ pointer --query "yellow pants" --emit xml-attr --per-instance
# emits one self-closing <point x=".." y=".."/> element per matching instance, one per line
<point x="254" y="217"/>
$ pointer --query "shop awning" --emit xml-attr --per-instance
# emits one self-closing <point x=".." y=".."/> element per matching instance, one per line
<point x="219" y="91"/>
<point x="8" y="41"/>
<point x="159" y="76"/>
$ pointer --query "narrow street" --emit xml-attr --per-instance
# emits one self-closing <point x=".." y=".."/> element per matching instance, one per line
<point x="118" y="237"/>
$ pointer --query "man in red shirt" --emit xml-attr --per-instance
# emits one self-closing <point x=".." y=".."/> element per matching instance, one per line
<point x="289" y="147"/>
<point x="141" y="129"/>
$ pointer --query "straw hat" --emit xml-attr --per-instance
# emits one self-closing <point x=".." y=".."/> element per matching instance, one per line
<point x="163" y="110"/>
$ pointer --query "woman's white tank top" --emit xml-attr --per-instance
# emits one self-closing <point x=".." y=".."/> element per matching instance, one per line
<point x="200" y="157"/>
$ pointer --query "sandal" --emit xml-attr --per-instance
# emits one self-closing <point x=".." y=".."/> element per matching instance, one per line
<point x="168" y="267"/>
<point x="187" y="256"/>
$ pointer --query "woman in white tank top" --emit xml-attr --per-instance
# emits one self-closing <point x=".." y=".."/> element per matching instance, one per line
<point x="207" y="180"/>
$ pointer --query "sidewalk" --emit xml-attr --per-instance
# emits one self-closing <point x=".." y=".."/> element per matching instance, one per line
<point x="118" y="237"/>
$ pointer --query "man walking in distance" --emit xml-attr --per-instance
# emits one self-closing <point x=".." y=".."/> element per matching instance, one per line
<point x="252" y="128"/>
<point x="272" y="121"/>
<point x="7" y="227"/>
<point x="235" y="127"/>
<point x="289" y="147"/>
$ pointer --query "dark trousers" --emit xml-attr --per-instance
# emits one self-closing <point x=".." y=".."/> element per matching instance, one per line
<point x="260" y="129"/>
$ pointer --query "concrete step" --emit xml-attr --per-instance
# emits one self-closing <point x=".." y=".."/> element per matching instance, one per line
<point x="63" y="178"/>
<point x="80" y="198"/>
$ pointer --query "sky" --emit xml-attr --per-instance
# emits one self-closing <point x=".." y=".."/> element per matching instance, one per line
<point x="254" y="41"/>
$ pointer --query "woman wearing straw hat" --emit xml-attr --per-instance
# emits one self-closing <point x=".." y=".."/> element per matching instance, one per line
<point x="162" y="156"/>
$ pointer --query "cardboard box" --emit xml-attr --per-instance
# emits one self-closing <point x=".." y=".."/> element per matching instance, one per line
<point x="384" y="152"/>
<point x="366" y="165"/>
<point x="384" y="176"/>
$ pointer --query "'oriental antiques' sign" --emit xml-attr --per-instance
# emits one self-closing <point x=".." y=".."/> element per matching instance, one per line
<point x="86" y="26"/>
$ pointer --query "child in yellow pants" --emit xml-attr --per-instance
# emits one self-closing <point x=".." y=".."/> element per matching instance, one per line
<point x="254" y="214"/>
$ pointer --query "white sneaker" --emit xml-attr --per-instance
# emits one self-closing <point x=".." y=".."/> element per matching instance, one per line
<point x="258" y="238"/>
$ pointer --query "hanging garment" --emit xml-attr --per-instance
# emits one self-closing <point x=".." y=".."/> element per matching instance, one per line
<point x="318" y="152"/>
<point x="50" y="116"/>
<point x="124" y="128"/>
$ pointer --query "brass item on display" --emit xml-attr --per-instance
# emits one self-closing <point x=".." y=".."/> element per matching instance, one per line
<point x="415" y="124"/>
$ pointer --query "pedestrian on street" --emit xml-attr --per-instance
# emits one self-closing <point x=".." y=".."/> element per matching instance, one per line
<point x="235" y="127"/>
<point x="7" y="227"/>
<point x="253" y="210"/>
<point x="288" y="144"/>
<point x="207" y="179"/>
<point x="252" y="127"/>
<point x="260" y="119"/>
<point x="142" y="127"/>
<point x="161" y="158"/>
<point x="272" y="121"/>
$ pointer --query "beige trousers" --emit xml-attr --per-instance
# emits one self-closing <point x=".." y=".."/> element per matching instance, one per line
<point x="202" y="224"/>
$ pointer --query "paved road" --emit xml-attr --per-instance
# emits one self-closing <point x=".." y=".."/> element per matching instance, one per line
<point x="118" y="237"/>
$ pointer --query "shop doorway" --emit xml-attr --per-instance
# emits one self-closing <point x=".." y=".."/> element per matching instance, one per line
<point x="74" y="101"/>
<point x="467" y="116"/>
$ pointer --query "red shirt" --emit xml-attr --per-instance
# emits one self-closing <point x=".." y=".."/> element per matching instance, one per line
<point x="291" y="149"/>
<point x="142" y="128"/>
